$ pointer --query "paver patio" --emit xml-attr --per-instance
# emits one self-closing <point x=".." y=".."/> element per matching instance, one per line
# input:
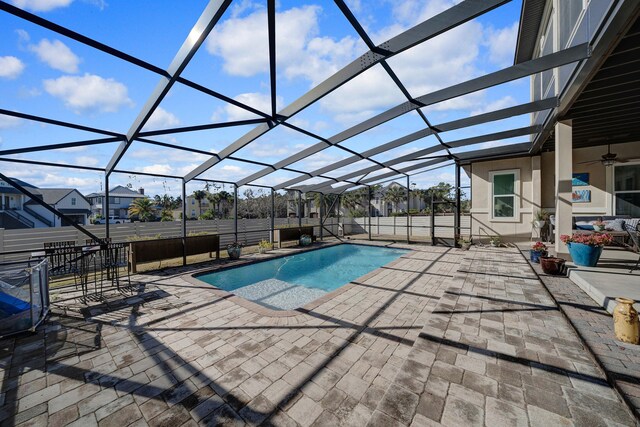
<point x="438" y="336"/>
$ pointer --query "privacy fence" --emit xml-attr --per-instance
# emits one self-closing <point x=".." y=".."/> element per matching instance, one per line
<point x="16" y="244"/>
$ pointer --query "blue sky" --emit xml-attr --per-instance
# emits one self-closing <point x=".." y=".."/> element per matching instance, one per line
<point x="43" y="73"/>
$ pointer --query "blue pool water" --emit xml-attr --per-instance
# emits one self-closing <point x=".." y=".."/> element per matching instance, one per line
<point x="295" y="280"/>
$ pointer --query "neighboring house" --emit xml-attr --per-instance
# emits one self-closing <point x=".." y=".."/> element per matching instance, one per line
<point x="120" y="198"/>
<point x="566" y="169"/>
<point x="382" y="207"/>
<point x="19" y="211"/>
<point x="195" y="208"/>
<point x="11" y="198"/>
<point x="68" y="201"/>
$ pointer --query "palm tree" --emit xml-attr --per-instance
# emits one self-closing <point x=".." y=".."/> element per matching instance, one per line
<point x="143" y="208"/>
<point x="395" y="194"/>
<point x="225" y="199"/>
<point x="199" y="195"/>
<point x="166" y="215"/>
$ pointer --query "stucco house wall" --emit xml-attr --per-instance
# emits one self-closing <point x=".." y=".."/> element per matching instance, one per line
<point x="536" y="189"/>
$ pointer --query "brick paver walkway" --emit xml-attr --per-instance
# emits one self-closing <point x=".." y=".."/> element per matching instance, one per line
<point x="415" y="342"/>
<point x="621" y="361"/>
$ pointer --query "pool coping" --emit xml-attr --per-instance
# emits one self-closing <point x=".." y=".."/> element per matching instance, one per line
<point x="310" y="306"/>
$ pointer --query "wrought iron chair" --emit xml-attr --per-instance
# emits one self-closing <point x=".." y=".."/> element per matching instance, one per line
<point x="634" y="234"/>
<point x="114" y="257"/>
<point x="58" y="257"/>
<point x="65" y="260"/>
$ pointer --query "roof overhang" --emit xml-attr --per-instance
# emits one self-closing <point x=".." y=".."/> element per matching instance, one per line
<point x="530" y="21"/>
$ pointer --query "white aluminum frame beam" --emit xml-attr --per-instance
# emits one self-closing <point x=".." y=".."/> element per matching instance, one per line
<point x="208" y="19"/>
<point x="504" y="113"/>
<point x="450" y="18"/>
<point x="505" y="75"/>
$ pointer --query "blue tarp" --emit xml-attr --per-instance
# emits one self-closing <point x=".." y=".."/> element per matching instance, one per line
<point x="11" y="305"/>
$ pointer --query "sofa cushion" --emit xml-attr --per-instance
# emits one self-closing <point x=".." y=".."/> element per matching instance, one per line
<point x="614" y="225"/>
<point x="584" y="225"/>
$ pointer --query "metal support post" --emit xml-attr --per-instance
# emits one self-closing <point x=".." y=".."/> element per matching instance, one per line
<point x="235" y="212"/>
<point x="369" y="208"/>
<point x="321" y="212"/>
<point x="433" y="220"/>
<point x="273" y="213"/>
<point x="408" y="209"/>
<point x="300" y="210"/>
<point x="456" y="220"/>
<point x="105" y="206"/>
<point x="338" y="231"/>
<point x="184" y="222"/>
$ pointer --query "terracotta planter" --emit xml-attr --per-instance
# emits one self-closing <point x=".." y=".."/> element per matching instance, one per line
<point x="625" y="321"/>
<point x="552" y="265"/>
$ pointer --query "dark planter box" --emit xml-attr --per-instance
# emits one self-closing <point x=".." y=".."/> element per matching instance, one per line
<point x="160" y="249"/>
<point x="291" y="234"/>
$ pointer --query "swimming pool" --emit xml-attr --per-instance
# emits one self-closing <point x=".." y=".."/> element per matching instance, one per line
<point x="293" y="281"/>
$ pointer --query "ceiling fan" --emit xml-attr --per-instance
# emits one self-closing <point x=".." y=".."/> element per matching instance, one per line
<point x="608" y="159"/>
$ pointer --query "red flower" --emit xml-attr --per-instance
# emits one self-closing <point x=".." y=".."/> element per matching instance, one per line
<point x="591" y="239"/>
<point x="539" y="246"/>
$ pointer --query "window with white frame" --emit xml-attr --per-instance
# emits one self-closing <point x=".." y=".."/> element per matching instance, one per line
<point x="73" y="201"/>
<point x="627" y="189"/>
<point x="504" y="194"/>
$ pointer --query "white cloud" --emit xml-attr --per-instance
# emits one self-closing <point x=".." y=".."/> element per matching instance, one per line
<point x="89" y="93"/>
<point x="242" y="42"/>
<point x="161" y="119"/>
<point x="231" y="168"/>
<point x="158" y="168"/>
<point x="259" y="101"/>
<point x="158" y="155"/>
<point x="87" y="161"/>
<point x="23" y="36"/>
<point x="56" y="55"/>
<point x="72" y="149"/>
<point x="10" y="67"/>
<point x="9" y="121"/>
<point x="504" y="102"/>
<point x="362" y="97"/>
<point x="271" y="150"/>
<point x="501" y="44"/>
<point x="41" y="5"/>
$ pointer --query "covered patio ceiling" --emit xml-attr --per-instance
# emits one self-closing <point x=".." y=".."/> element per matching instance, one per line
<point x="357" y="166"/>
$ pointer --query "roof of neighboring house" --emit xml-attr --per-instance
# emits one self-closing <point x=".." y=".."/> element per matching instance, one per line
<point x="52" y="196"/>
<point x="7" y="189"/>
<point x="119" y="191"/>
<point x="530" y="21"/>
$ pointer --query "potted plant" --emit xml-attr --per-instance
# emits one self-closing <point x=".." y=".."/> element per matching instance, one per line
<point x="540" y="218"/>
<point x="552" y="265"/>
<point x="465" y="243"/>
<point x="585" y="249"/>
<point x="598" y="226"/>
<point x="234" y="250"/>
<point x="494" y="241"/>
<point x="264" y="246"/>
<point x="537" y="250"/>
<point x="305" y="240"/>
